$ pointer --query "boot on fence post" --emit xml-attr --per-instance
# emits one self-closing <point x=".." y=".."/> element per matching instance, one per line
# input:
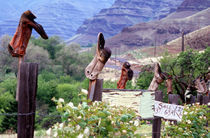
<point x="18" y="44"/>
<point x="95" y="67"/>
<point x="126" y="74"/>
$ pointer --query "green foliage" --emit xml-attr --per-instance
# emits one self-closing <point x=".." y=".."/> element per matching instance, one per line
<point x="144" y="79"/>
<point x="202" y="62"/>
<point x="193" y="123"/>
<point x="110" y="84"/>
<point x="52" y="45"/>
<point x="38" y="55"/>
<point x="68" y="91"/>
<point x="8" y="104"/>
<point x="72" y="62"/>
<point x="95" y="120"/>
<point x="7" y="62"/>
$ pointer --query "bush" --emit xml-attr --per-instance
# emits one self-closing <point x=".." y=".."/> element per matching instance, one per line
<point x="96" y="120"/>
<point x="69" y="92"/>
<point x="8" y="104"/>
<point x="193" y="123"/>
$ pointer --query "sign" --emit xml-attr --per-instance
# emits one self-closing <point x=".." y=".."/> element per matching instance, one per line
<point x="168" y="111"/>
<point x="147" y="101"/>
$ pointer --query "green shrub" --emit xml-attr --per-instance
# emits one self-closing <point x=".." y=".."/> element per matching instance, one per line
<point x="193" y="123"/>
<point x="69" y="92"/>
<point x="95" y="120"/>
<point x="8" y="104"/>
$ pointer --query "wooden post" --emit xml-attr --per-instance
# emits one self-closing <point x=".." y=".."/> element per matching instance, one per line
<point x="182" y="41"/>
<point x="156" y="126"/>
<point x="95" y="90"/>
<point x="20" y="60"/>
<point x="200" y="99"/>
<point x="205" y="99"/>
<point x="173" y="99"/>
<point x="27" y="99"/>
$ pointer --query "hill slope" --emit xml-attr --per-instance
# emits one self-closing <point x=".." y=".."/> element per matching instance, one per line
<point x="58" y="17"/>
<point x="123" y="13"/>
<point x="159" y="32"/>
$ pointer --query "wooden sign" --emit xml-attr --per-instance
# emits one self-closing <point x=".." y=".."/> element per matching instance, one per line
<point x="149" y="107"/>
<point x="147" y="101"/>
<point x="168" y="111"/>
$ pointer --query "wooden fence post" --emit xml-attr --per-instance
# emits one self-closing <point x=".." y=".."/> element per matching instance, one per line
<point x="200" y="99"/>
<point x="205" y="99"/>
<point x="27" y="99"/>
<point x="156" y="125"/>
<point x="173" y="99"/>
<point x="95" y="90"/>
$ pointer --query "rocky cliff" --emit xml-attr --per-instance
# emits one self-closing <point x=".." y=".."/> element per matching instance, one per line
<point x="184" y="19"/>
<point x="121" y="14"/>
<point x="58" y="17"/>
<point x="159" y="32"/>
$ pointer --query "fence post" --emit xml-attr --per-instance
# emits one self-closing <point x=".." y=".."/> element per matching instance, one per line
<point x="173" y="99"/>
<point x="95" y="90"/>
<point x="205" y="99"/>
<point x="27" y="99"/>
<point x="200" y="99"/>
<point x="156" y="125"/>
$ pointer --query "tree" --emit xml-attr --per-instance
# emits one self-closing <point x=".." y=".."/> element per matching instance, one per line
<point x="7" y="62"/>
<point x="38" y="55"/>
<point x="73" y="63"/>
<point x="52" y="45"/>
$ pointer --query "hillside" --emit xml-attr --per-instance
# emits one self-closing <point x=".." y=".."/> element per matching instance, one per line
<point x="122" y="13"/>
<point x="159" y="32"/>
<point x="58" y="17"/>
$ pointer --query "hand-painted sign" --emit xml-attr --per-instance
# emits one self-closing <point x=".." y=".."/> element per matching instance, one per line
<point x="148" y="108"/>
<point x="168" y="111"/>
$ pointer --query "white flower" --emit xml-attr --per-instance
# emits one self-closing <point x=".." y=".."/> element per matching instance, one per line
<point x="124" y="131"/>
<point x="80" y="136"/>
<point x="70" y="104"/>
<point x="131" y="122"/>
<point x="84" y="91"/>
<point x="87" y="131"/>
<point x="78" y="127"/>
<point x="197" y="103"/>
<point x="185" y="113"/>
<point x="61" y="125"/>
<point x="79" y="117"/>
<point x="61" y="100"/>
<point x="180" y="129"/>
<point x="188" y="121"/>
<point x="48" y="131"/>
<point x="167" y="123"/>
<point x="208" y="103"/>
<point x="55" y="135"/>
<point x="99" y="122"/>
<point x="136" y="123"/>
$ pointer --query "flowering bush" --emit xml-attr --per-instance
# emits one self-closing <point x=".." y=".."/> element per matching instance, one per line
<point x="95" y="120"/>
<point x="193" y="123"/>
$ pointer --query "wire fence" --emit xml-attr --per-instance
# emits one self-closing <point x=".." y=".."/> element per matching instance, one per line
<point x="31" y="113"/>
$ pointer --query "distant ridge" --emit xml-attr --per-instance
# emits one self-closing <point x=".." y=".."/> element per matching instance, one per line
<point x="58" y="17"/>
<point x="121" y="14"/>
